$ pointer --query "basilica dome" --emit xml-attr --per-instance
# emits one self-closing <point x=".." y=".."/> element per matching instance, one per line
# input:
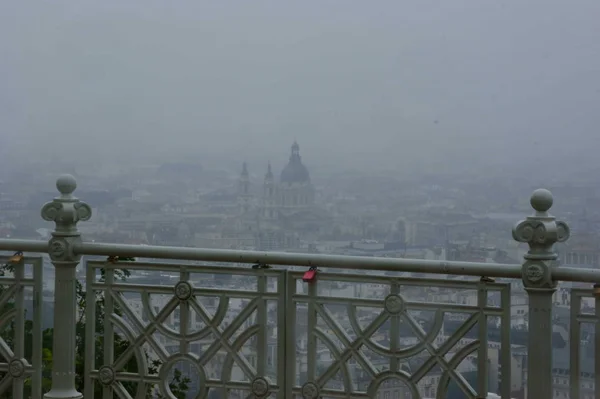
<point x="295" y="171"/>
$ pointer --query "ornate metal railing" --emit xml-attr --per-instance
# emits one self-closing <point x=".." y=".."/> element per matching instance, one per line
<point x="346" y="325"/>
<point x="272" y="331"/>
<point x="20" y="285"/>
<point x="188" y="319"/>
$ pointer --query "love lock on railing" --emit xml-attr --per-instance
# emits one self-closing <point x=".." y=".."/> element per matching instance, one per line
<point x="13" y="260"/>
<point x="16" y="258"/>
<point x="310" y="275"/>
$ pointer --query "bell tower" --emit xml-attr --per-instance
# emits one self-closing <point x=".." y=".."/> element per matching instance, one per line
<point x="269" y="211"/>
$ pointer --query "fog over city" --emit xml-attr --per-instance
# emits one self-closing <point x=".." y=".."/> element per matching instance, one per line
<point x="385" y="84"/>
<point x="232" y="199"/>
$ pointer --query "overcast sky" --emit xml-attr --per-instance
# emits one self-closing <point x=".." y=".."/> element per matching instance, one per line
<point x="367" y="82"/>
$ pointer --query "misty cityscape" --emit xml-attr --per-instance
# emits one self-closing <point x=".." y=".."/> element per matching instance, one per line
<point x="299" y="199"/>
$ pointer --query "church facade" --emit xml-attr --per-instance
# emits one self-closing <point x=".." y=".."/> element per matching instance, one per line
<point x="283" y="213"/>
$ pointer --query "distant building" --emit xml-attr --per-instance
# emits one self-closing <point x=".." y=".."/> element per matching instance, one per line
<point x="285" y="211"/>
<point x="582" y="251"/>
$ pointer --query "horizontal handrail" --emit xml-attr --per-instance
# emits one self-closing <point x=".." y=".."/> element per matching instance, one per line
<point x="23" y="245"/>
<point x="279" y="258"/>
<point x="499" y="270"/>
<point x="576" y="274"/>
<point x="298" y="259"/>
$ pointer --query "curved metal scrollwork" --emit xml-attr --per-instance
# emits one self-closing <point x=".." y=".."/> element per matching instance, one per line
<point x="177" y="329"/>
<point x="357" y="355"/>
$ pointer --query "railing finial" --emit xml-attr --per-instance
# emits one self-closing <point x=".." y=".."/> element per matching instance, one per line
<point x="66" y="185"/>
<point x="66" y="210"/>
<point x="541" y="200"/>
<point x="541" y="230"/>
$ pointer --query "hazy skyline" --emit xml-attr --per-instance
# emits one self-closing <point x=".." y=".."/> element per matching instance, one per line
<point x="385" y="83"/>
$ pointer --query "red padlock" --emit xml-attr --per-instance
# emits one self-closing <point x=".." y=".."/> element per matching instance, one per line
<point x="310" y="275"/>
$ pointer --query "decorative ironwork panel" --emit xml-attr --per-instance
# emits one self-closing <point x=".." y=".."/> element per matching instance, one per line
<point x="371" y="336"/>
<point x="217" y="329"/>
<point x="20" y="290"/>
<point x="583" y="339"/>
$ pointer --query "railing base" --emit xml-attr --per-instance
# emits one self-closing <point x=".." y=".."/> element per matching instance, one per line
<point x="63" y="394"/>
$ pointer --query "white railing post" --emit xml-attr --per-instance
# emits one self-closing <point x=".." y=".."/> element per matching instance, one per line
<point x="540" y="231"/>
<point x="65" y="211"/>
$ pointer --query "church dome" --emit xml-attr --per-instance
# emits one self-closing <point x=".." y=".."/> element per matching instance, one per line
<point x="295" y="171"/>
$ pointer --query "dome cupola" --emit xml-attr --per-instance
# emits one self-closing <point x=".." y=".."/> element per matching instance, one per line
<point x="295" y="171"/>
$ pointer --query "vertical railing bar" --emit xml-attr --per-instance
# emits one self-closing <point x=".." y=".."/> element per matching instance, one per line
<point x="574" y="345"/>
<point x="90" y="329"/>
<point x="506" y="347"/>
<point x="394" y="331"/>
<point x="19" y="330"/>
<point x="36" y="345"/>
<point x="482" y="356"/>
<point x="290" y="355"/>
<point x="281" y="359"/>
<point x="597" y="342"/>
<point x="311" y="345"/>
<point x="261" y="315"/>
<point x="184" y="316"/>
<point x="539" y="350"/>
<point x="109" y="331"/>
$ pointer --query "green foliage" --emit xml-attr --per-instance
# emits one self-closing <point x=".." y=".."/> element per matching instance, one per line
<point x="179" y="383"/>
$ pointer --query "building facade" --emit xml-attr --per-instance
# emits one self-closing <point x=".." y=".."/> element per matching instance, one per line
<point x="283" y="212"/>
